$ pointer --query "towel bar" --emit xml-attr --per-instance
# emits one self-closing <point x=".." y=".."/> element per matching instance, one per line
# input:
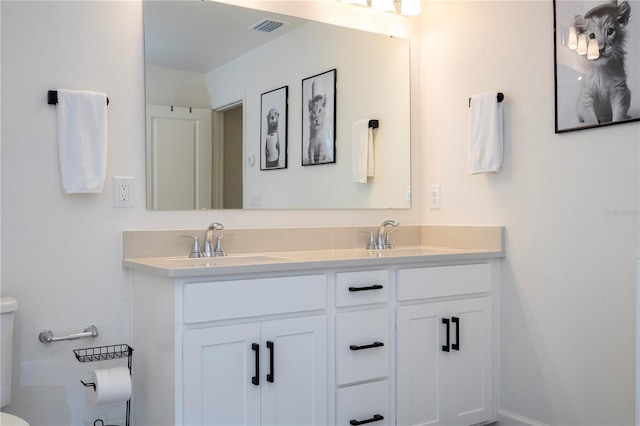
<point x="52" y="97"/>
<point x="500" y="98"/>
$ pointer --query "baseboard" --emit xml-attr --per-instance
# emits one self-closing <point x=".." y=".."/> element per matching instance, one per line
<point x="506" y="418"/>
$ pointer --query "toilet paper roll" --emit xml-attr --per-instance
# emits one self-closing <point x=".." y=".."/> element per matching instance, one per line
<point x="112" y="385"/>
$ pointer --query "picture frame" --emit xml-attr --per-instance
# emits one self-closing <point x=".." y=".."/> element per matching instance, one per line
<point x="614" y="53"/>
<point x="319" y="119"/>
<point x="274" y="116"/>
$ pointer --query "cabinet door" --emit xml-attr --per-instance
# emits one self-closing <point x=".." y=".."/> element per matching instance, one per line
<point x="218" y="366"/>
<point x="438" y="387"/>
<point x="420" y="371"/>
<point x="294" y="379"/>
<point x="470" y="372"/>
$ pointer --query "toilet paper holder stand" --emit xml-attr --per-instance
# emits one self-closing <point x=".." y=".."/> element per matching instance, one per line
<point x="105" y="353"/>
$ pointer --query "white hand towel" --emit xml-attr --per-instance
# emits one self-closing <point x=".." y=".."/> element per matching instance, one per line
<point x="485" y="133"/>
<point x="82" y="140"/>
<point x="362" y="153"/>
<point x="371" y="165"/>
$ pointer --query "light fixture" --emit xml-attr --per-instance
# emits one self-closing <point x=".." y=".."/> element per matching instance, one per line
<point x="593" y="51"/>
<point x="407" y="7"/>
<point x="573" y="39"/>
<point x="582" y="44"/>
<point x="383" y="5"/>
<point x="410" y="7"/>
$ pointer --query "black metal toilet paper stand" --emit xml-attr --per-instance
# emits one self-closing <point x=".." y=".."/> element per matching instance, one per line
<point x="105" y="353"/>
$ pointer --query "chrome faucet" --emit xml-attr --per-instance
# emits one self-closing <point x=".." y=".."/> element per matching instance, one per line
<point x="383" y="242"/>
<point x="209" y="250"/>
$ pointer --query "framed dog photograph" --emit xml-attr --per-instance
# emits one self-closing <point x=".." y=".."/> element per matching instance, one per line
<point x="597" y="63"/>
<point x="273" y="129"/>
<point x="319" y="119"/>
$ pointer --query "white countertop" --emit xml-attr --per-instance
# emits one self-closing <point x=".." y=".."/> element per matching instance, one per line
<point x="181" y="267"/>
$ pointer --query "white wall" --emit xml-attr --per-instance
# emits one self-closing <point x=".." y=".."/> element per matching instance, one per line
<point x="61" y="254"/>
<point x="62" y="251"/>
<point x="176" y="87"/>
<point x="569" y="202"/>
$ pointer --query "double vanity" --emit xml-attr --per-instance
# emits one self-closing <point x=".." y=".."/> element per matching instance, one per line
<point x="324" y="332"/>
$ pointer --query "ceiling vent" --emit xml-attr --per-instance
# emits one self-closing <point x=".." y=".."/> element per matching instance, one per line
<point x="266" y="26"/>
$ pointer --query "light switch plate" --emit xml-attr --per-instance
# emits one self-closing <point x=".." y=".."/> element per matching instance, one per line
<point x="435" y="197"/>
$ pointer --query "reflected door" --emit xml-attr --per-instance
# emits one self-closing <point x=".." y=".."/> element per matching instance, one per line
<point x="180" y="154"/>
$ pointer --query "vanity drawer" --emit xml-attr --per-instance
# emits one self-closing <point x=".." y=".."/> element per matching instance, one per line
<point x="363" y="402"/>
<point x="440" y="281"/>
<point x="362" y="345"/>
<point x="211" y="301"/>
<point x="362" y="287"/>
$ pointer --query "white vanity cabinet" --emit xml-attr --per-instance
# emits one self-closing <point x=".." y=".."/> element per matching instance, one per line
<point x="445" y="345"/>
<point x="230" y="352"/>
<point x="339" y="342"/>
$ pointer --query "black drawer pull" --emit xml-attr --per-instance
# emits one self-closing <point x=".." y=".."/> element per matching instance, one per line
<point x="271" y="374"/>
<point x="445" y="321"/>
<point x="256" y="379"/>
<point x="371" y="287"/>
<point x="375" y="418"/>
<point x="373" y="345"/>
<point x="456" y="346"/>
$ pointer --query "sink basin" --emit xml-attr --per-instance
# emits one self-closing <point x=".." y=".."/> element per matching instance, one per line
<point x="223" y="260"/>
<point x="408" y="251"/>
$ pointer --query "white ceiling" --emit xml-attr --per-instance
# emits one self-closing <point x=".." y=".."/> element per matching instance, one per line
<point x="202" y="35"/>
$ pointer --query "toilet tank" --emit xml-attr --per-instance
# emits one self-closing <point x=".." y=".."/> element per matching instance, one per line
<point x="8" y="306"/>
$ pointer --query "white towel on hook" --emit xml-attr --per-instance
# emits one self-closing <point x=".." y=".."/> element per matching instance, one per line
<point x="485" y="133"/>
<point x="362" y="152"/>
<point x="82" y="140"/>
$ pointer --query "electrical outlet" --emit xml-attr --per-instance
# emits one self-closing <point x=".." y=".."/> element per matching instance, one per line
<point x="255" y="201"/>
<point x="435" y="197"/>
<point x="122" y="191"/>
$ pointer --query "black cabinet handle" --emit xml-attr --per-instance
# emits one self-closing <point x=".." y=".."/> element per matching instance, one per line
<point x="456" y="345"/>
<point x="271" y="375"/>
<point x="445" y="321"/>
<point x="256" y="379"/>
<point x="375" y="418"/>
<point x="371" y="287"/>
<point x="373" y="345"/>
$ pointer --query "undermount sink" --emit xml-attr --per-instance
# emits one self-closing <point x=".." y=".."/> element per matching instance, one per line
<point x="236" y="259"/>
<point x="404" y="250"/>
<point x="407" y="251"/>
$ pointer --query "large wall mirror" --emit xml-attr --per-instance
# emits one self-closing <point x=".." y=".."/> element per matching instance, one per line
<point x="213" y="73"/>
